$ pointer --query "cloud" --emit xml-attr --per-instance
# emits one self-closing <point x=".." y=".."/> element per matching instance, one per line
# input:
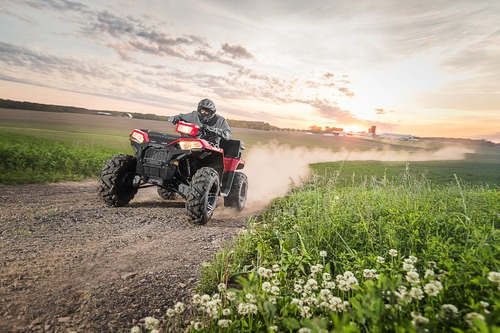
<point x="236" y="51"/>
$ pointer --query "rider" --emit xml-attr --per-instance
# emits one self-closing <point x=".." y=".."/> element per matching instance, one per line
<point x="214" y="126"/>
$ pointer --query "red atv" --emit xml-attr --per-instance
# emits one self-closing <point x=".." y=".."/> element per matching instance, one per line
<point x="184" y="165"/>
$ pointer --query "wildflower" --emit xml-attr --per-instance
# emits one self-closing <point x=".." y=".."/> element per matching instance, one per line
<point x="407" y="267"/>
<point x="419" y="321"/>
<point x="276" y="268"/>
<point x="224" y="323"/>
<point x="250" y="298"/>
<point x="416" y="293"/>
<point x="151" y="323"/>
<point x="264" y="272"/>
<point x="205" y="299"/>
<point x="432" y="264"/>
<point x="449" y="311"/>
<point x="329" y="284"/>
<point x="273" y="328"/>
<point x="393" y="253"/>
<point x="135" y="329"/>
<point x="484" y="304"/>
<point x="412" y="277"/>
<point x="411" y="260"/>
<point x="370" y="273"/>
<point x="313" y="284"/>
<point x="494" y="277"/>
<point x="336" y="197"/>
<point x="297" y="301"/>
<point x="316" y="269"/>
<point x="473" y="315"/>
<point x="275" y="290"/>
<point x="305" y="311"/>
<point x="272" y="300"/>
<point x="305" y="330"/>
<point x="335" y="304"/>
<point x="327" y="277"/>
<point x="198" y="326"/>
<point x="170" y="312"/>
<point x="231" y="296"/>
<point x="179" y="307"/>
<point x="226" y="312"/>
<point x="222" y="287"/>
<point x="266" y="286"/>
<point x="381" y="260"/>
<point x="297" y="288"/>
<point x="433" y="288"/>
<point x="322" y="254"/>
<point x="428" y="272"/>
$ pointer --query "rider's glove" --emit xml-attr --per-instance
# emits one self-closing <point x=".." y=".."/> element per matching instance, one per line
<point x="214" y="130"/>
<point x="174" y="119"/>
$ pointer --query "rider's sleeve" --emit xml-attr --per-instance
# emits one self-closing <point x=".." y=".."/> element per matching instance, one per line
<point x="225" y="132"/>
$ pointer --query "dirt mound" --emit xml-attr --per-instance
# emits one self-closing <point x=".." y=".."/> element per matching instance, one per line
<point x="70" y="264"/>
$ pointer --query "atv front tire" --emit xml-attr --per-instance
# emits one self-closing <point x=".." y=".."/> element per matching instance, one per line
<point x="237" y="196"/>
<point x="116" y="180"/>
<point x="203" y="195"/>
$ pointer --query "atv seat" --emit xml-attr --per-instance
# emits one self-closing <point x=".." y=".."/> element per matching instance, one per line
<point x="232" y="148"/>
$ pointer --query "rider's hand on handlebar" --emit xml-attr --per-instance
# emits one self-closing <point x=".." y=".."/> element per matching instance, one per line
<point x="174" y="119"/>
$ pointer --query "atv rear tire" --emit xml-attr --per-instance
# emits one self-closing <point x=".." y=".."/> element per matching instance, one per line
<point x="203" y="195"/>
<point x="237" y="196"/>
<point x="166" y="194"/>
<point x="116" y="180"/>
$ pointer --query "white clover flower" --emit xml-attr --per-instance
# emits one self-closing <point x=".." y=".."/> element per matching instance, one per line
<point x="484" y="304"/>
<point x="179" y="307"/>
<point x="170" y="312"/>
<point x="264" y="272"/>
<point x="276" y="268"/>
<point x="412" y="259"/>
<point x="305" y="330"/>
<point x="428" y="273"/>
<point x="215" y="296"/>
<point x="327" y="277"/>
<point x="370" y="274"/>
<point x="198" y="326"/>
<point x="226" y="312"/>
<point x="275" y="290"/>
<point x="408" y="267"/>
<point x="205" y="299"/>
<point x="222" y="287"/>
<point x="252" y="308"/>
<point x="231" y="296"/>
<point x="412" y="277"/>
<point x="250" y="298"/>
<point x="305" y="311"/>
<point x="335" y="304"/>
<point x="196" y="299"/>
<point x="272" y="300"/>
<point x="316" y="269"/>
<point x="329" y="284"/>
<point x="224" y="323"/>
<point x="325" y="294"/>
<point x="419" y="321"/>
<point x="417" y="293"/>
<point x="301" y="281"/>
<point x="494" y="277"/>
<point x="243" y="308"/>
<point x="471" y="316"/>
<point x="266" y="286"/>
<point x="312" y="283"/>
<point x="449" y="311"/>
<point x="273" y="328"/>
<point x="393" y="253"/>
<point x="381" y="260"/>
<point x="432" y="264"/>
<point x="322" y="254"/>
<point x="276" y="282"/>
<point x="151" y="323"/>
<point x="433" y="288"/>
<point x="297" y="288"/>
<point x="135" y="329"/>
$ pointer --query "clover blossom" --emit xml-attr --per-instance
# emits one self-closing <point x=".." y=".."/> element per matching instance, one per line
<point x="266" y="286"/>
<point x="417" y="293"/>
<point x="151" y="323"/>
<point x="198" y="326"/>
<point x="412" y="277"/>
<point x="222" y="287"/>
<point x="381" y="260"/>
<point x="449" y="311"/>
<point x="370" y="274"/>
<point x="322" y="254"/>
<point x="393" y="253"/>
<point x="433" y="288"/>
<point x="231" y="296"/>
<point x="224" y="323"/>
<point x="469" y="318"/>
<point x="179" y="307"/>
<point x="135" y="329"/>
<point x="264" y="272"/>
<point x="429" y="272"/>
<point x="494" y="277"/>
<point x="419" y="321"/>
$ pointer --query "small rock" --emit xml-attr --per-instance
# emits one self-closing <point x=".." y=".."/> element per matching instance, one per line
<point x="63" y="319"/>
<point x="128" y="276"/>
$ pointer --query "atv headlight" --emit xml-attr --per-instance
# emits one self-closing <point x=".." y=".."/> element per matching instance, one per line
<point x="188" y="145"/>
<point x="137" y="137"/>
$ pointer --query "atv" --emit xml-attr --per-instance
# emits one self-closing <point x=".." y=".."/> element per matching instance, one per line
<point x="186" y="166"/>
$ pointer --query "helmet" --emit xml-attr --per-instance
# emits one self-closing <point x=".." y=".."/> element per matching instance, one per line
<point x="206" y="110"/>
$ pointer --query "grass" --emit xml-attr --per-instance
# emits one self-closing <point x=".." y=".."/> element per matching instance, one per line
<point x="405" y="254"/>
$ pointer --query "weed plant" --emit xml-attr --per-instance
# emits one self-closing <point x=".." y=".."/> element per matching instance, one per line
<point x="399" y="255"/>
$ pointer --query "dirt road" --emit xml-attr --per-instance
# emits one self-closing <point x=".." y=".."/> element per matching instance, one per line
<point x="70" y="264"/>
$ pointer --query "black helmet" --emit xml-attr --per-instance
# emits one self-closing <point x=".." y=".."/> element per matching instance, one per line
<point x="206" y="110"/>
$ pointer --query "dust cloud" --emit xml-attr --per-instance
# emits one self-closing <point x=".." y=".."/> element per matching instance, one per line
<point x="272" y="168"/>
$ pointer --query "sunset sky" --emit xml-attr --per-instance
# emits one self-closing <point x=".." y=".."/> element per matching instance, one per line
<point x="426" y="68"/>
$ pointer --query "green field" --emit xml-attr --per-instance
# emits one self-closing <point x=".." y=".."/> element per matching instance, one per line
<point x="361" y="246"/>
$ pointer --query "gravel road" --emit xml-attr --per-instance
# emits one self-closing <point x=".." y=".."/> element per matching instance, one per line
<point x="68" y="263"/>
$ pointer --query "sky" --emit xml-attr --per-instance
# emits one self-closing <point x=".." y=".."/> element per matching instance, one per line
<point x="424" y="68"/>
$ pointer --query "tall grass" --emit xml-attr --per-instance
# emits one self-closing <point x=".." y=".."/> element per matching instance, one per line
<point x="383" y="255"/>
<point x="25" y="159"/>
